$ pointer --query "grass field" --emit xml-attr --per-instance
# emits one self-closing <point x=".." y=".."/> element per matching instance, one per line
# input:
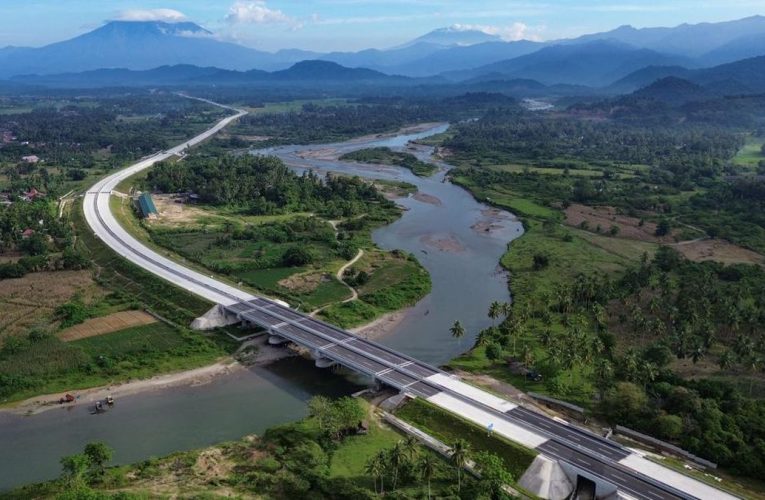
<point x="448" y="428"/>
<point x="395" y="281"/>
<point x="751" y="154"/>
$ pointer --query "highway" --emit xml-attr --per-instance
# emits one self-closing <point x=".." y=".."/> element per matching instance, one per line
<point x="597" y="458"/>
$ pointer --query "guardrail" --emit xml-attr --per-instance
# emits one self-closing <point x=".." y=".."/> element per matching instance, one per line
<point x="664" y="446"/>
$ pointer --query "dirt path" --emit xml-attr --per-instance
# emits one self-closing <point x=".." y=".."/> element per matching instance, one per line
<point x="342" y="270"/>
<point x="339" y="276"/>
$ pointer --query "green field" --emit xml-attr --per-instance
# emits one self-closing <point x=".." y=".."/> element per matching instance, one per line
<point x="395" y="281"/>
<point x="448" y="428"/>
<point x="751" y="154"/>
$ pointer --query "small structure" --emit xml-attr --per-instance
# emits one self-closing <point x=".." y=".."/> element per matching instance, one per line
<point x="146" y="206"/>
<point x="32" y="195"/>
<point x="30" y="159"/>
<point x="27" y="233"/>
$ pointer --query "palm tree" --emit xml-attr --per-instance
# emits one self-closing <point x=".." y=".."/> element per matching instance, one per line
<point x="457" y="331"/>
<point x="507" y="309"/>
<point x="427" y="468"/>
<point x="376" y="468"/>
<point x="459" y="458"/>
<point x="410" y="447"/>
<point x="754" y="363"/>
<point x="726" y="360"/>
<point x="495" y="311"/>
<point x="396" y="458"/>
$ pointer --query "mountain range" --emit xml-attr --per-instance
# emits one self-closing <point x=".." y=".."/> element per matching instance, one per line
<point x="628" y="56"/>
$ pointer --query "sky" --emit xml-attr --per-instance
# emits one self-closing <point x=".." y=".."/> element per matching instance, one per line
<point x="324" y="25"/>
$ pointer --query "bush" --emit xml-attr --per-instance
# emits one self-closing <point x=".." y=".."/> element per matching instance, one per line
<point x="663" y="227"/>
<point x="297" y="256"/>
<point x="12" y="270"/>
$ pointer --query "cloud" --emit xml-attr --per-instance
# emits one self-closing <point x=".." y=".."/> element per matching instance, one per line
<point x="150" y="15"/>
<point x="257" y="12"/>
<point x="511" y="33"/>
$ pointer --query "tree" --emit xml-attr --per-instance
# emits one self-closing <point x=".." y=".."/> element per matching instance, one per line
<point x="376" y="468"/>
<point x="98" y="454"/>
<point x="457" y="330"/>
<point x="296" y="256"/>
<point x="396" y="458"/>
<point x="459" y="458"/>
<point x="495" y="311"/>
<point x="427" y="467"/>
<point x="494" y="476"/>
<point x="74" y="469"/>
<point x="320" y="408"/>
<point x="410" y="446"/>
<point x="540" y="261"/>
<point x="624" y="404"/>
<point x="669" y="426"/>
<point x="663" y="227"/>
<point x="494" y="351"/>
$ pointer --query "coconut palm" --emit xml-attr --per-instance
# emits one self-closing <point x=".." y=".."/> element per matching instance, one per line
<point x="459" y="458"/>
<point x="495" y="311"/>
<point x="427" y="467"/>
<point x="396" y="458"/>
<point x="457" y="331"/>
<point x="410" y="447"/>
<point x="726" y="360"/>
<point x="376" y="468"/>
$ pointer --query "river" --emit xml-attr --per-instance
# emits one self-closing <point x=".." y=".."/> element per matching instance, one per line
<point x="446" y="230"/>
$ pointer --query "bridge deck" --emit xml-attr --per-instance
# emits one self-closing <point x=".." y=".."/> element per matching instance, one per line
<point x="570" y="444"/>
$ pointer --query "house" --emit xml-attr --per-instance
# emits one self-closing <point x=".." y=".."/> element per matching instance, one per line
<point x="27" y="233"/>
<point x="146" y="206"/>
<point x="30" y="159"/>
<point x="32" y="195"/>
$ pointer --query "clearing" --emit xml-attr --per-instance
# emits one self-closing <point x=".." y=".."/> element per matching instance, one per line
<point x="30" y="301"/>
<point x="106" y="324"/>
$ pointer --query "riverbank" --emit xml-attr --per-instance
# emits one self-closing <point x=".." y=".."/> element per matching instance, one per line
<point x="88" y="397"/>
<point x="265" y="355"/>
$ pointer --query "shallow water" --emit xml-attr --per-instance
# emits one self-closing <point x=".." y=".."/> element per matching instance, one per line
<point x="440" y="232"/>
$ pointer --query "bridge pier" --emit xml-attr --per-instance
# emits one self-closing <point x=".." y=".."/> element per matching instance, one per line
<point x="276" y="339"/>
<point x="321" y="361"/>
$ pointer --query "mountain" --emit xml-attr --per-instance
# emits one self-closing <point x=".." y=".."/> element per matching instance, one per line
<point x="688" y="40"/>
<point x="465" y="57"/>
<point x="312" y="71"/>
<point x="304" y="73"/>
<point x="740" y="48"/>
<point x="645" y="76"/>
<point x="673" y="90"/>
<point x="455" y="36"/>
<point x="595" y="64"/>
<point x="741" y="77"/>
<point x="137" y="46"/>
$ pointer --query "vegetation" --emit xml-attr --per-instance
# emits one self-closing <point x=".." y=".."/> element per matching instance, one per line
<point x="386" y="156"/>
<point x="613" y="323"/>
<point x="76" y="139"/>
<point x="297" y="255"/>
<point x="300" y="460"/>
<point x="449" y="428"/>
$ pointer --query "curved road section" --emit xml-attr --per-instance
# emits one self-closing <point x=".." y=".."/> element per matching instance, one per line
<point x="585" y="454"/>
<point x="105" y="226"/>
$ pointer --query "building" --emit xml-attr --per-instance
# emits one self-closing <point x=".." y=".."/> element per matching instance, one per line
<point x="30" y="159"/>
<point x="32" y="195"/>
<point x="146" y="206"/>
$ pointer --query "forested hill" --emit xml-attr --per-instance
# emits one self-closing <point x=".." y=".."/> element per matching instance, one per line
<point x="264" y="185"/>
